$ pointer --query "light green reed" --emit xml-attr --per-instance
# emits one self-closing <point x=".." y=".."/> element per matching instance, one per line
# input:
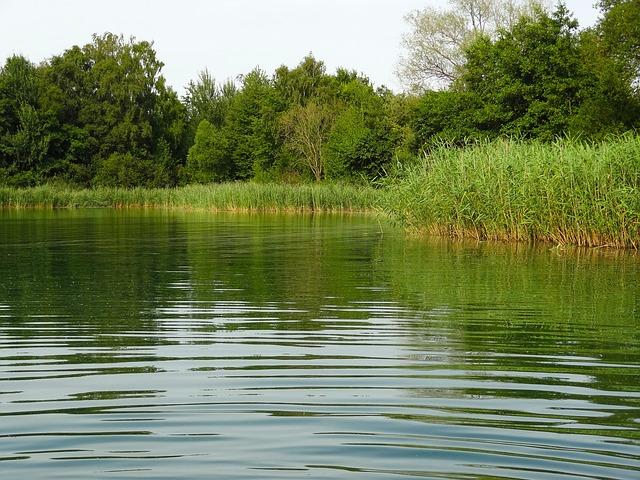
<point x="228" y="196"/>
<point x="568" y="192"/>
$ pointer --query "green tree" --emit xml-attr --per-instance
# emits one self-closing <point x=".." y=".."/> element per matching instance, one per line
<point x="434" y="48"/>
<point x="18" y="87"/>
<point x="620" y="30"/>
<point x="532" y="79"/>
<point x="609" y="103"/>
<point x="206" y="100"/>
<point x="362" y="140"/>
<point x="453" y="117"/>
<point x="307" y="81"/>
<point x="345" y="143"/>
<point x="251" y="127"/>
<point x="24" y="138"/>
<point x="305" y="130"/>
<point x="30" y="143"/>
<point x="617" y="36"/>
<point x="124" y="170"/>
<point x="67" y="102"/>
<point x="208" y="159"/>
<point x="110" y="97"/>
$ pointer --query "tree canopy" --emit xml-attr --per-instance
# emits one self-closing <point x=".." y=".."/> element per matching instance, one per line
<point x="102" y="113"/>
<point x="434" y="48"/>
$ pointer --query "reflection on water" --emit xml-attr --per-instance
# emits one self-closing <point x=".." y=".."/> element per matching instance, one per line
<point x="141" y="344"/>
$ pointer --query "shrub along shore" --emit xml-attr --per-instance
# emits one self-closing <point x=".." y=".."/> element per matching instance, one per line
<point x="568" y="192"/>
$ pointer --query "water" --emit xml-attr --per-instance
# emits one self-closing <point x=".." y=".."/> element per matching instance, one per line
<point x="190" y="345"/>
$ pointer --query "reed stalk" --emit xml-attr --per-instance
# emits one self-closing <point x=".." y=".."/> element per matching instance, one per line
<point x="568" y="192"/>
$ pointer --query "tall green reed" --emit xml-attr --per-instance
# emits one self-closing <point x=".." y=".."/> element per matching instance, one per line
<point x="228" y="196"/>
<point x="568" y="192"/>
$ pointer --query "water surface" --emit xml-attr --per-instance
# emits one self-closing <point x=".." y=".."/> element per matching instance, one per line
<point x="140" y="344"/>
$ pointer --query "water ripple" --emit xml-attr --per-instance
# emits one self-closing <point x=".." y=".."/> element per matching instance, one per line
<point x="275" y="348"/>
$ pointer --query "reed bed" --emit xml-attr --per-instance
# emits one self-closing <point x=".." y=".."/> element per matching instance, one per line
<point x="219" y="197"/>
<point x="568" y="192"/>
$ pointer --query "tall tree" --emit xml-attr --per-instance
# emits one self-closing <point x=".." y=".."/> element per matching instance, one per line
<point x="251" y="126"/>
<point x="205" y="99"/>
<point x="434" y="47"/>
<point x="24" y="138"/>
<point x="306" y="129"/>
<point x="110" y="97"/>
<point x="362" y="140"/>
<point x="208" y="159"/>
<point x="620" y="30"/>
<point x="532" y="79"/>
<point x="305" y="82"/>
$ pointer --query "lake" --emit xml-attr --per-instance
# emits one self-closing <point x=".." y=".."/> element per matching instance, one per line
<point x="153" y="344"/>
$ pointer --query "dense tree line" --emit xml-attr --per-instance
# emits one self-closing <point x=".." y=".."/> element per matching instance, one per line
<point x="102" y="114"/>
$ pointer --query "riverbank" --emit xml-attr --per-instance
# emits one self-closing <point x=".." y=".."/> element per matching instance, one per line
<point x="566" y="193"/>
<point x="247" y="196"/>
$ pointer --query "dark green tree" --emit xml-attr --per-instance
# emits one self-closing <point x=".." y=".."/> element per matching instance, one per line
<point x="451" y="117"/>
<point x="609" y="103"/>
<point x="24" y="138"/>
<point x="251" y="127"/>
<point x="110" y="97"/>
<point x="620" y="30"/>
<point x="532" y="80"/>
<point x="208" y="159"/>
<point x="362" y="140"/>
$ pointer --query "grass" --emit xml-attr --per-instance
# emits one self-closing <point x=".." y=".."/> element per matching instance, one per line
<point x="220" y="197"/>
<point x="567" y="193"/>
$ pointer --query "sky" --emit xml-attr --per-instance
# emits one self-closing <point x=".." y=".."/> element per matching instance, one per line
<point x="228" y="37"/>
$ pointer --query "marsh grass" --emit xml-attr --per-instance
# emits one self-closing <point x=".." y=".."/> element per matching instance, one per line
<point x="567" y="193"/>
<point x="218" y="197"/>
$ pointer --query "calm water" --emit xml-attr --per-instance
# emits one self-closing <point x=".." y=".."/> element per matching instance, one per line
<point x="190" y="345"/>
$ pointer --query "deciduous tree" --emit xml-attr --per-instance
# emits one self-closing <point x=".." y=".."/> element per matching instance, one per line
<point x="532" y="78"/>
<point x="208" y="159"/>
<point x="434" y="47"/>
<point x="620" y="30"/>
<point x="305" y="129"/>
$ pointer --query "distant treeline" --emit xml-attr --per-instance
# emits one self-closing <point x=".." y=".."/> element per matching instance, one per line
<point x="102" y="114"/>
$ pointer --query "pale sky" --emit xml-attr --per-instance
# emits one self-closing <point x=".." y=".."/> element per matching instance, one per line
<point x="229" y="37"/>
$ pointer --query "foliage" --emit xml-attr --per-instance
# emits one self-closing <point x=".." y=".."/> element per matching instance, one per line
<point x="245" y="196"/>
<point x="364" y="136"/>
<point x="450" y="117"/>
<point x="534" y="80"/>
<point x="434" y="48"/>
<point x="123" y="169"/>
<point x="102" y="114"/>
<point x="24" y="142"/>
<point x="207" y="160"/>
<point x="108" y="98"/>
<point x="609" y="104"/>
<point x="564" y="192"/>
<point x="305" y="129"/>
<point x="206" y="100"/>
<point x="307" y="81"/>
<point x="345" y="143"/>
<point x="620" y="31"/>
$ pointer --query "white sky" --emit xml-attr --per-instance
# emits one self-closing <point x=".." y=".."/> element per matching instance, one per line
<point x="229" y="37"/>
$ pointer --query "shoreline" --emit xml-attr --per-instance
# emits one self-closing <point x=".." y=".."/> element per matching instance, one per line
<point x="226" y="197"/>
<point x="563" y="194"/>
<point x="566" y="193"/>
